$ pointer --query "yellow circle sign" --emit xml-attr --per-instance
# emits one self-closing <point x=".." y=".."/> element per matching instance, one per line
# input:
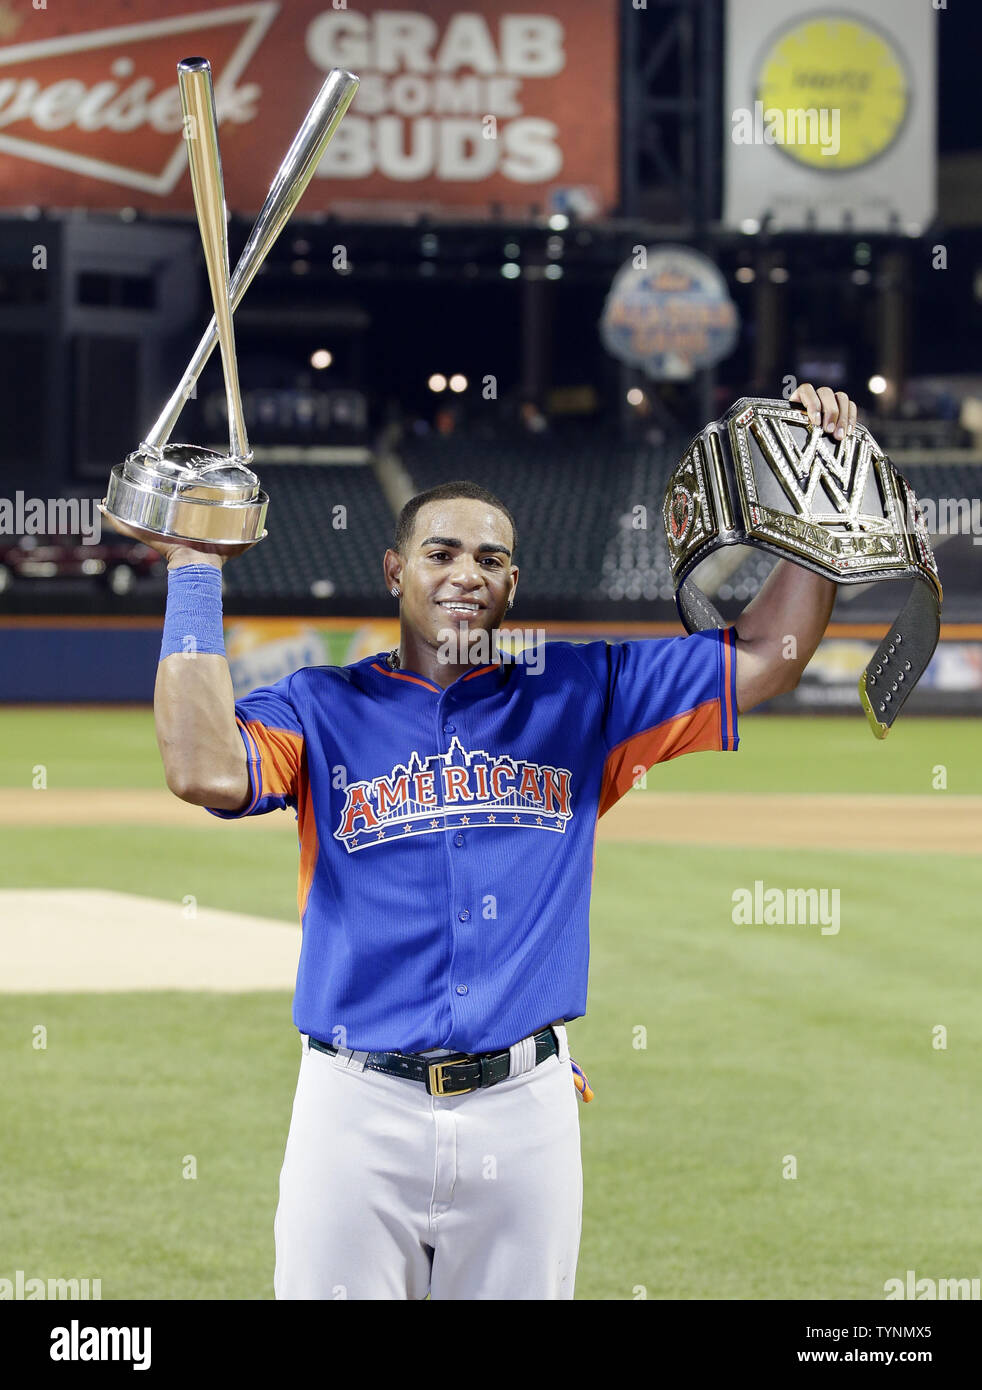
<point x="834" y="91"/>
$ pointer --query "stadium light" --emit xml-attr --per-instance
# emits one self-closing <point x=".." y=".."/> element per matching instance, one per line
<point x="779" y="274"/>
<point x="877" y="385"/>
<point x="321" y="358"/>
<point x="635" y="396"/>
<point x="750" y="226"/>
<point x="745" y="274"/>
<point x="558" y="222"/>
<point x="510" y="270"/>
<point x="458" y="382"/>
<point x="437" y="382"/>
<point x="512" y="250"/>
<point x="553" y="272"/>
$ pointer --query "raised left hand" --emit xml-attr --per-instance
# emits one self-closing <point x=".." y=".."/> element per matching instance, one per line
<point x="833" y="409"/>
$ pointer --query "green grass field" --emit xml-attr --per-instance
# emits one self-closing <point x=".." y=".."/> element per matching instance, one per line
<point x="761" y="1044"/>
<point x="117" y="748"/>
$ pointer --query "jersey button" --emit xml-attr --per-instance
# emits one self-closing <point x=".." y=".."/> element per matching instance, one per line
<point x="461" y="989"/>
<point x="464" y="915"/>
<point x="450" y="728"/>
<point x="458" y="839"/>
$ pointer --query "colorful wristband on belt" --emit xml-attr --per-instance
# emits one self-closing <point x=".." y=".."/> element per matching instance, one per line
<point x="193" y="620"/>
<point x="581" y="1083"/>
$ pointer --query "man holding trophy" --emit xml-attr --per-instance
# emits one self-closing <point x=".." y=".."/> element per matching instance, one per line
<point x="444" y="881"/>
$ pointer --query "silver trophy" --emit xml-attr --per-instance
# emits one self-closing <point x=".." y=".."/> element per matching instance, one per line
<point x="182" y="492"/>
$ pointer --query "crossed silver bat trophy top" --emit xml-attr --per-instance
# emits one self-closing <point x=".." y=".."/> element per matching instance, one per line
<point x="181" y="491"/>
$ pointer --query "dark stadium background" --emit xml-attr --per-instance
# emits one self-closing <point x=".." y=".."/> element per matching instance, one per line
<point x="87" y="356"/>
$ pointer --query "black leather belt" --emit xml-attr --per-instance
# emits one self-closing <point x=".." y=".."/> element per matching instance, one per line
<point x="454" y="1074"/>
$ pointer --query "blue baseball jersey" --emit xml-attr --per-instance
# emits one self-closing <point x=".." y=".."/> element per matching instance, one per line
<point x="447" y="835"/>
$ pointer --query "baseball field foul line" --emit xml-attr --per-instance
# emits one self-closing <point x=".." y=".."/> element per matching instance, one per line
<point x="937" y="824"/>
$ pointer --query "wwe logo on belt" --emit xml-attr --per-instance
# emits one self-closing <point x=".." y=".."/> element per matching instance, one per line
<point x="456" y="788"/>
<point x="826" y="480"/>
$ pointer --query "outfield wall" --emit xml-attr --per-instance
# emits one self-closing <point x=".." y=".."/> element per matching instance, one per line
<point x="109" y="660"/>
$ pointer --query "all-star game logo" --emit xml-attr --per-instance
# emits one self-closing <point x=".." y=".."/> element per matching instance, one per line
<point x="456" y="788"/>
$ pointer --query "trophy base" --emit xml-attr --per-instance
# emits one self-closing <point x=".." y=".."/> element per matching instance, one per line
<point x="219" y="523"/>
<point x="143" y="533"/>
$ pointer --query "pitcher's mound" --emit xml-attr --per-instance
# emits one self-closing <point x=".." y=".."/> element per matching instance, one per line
<point x="74" y="940"/>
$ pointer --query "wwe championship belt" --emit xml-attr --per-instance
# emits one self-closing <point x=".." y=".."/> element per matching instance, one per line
<point x="764" y="475"/>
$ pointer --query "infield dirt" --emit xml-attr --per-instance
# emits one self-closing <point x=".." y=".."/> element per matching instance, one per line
<point x="82" y="940"/>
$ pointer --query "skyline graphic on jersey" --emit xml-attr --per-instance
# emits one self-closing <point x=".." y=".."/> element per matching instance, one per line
<point x="456" y="788"/>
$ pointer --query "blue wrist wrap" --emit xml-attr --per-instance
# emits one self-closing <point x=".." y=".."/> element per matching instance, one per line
<point x="193" y="620"/>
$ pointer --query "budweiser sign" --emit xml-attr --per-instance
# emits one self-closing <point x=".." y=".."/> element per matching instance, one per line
<point x="106" y="104"/>
<point x="512" y="101"/>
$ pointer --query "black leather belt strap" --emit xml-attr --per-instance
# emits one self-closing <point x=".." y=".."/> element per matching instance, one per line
<point x="454" y="1074"/>
<point x="763" y="475"/>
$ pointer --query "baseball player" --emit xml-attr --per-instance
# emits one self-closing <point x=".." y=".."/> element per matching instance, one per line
<point x="447" y="806"/>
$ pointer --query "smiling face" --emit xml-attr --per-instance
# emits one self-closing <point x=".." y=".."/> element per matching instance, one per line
<point x="456" y="575"/>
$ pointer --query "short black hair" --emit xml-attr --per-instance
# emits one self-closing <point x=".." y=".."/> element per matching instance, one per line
<point x="443" y="493"/>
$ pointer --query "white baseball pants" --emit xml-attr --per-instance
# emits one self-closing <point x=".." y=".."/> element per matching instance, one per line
<point x="387" y="1192"/>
